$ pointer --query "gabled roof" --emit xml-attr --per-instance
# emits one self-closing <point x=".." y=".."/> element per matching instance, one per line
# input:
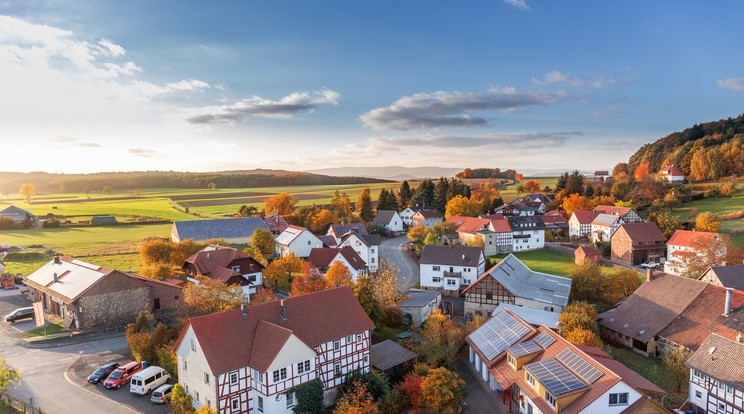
<point x="520" y="223"/>
<point x="518" y="279"/>
<point x="15" y="210"/>
<point x="220" y="228"/>
<point x="590" y="250"/>
<point x="500" y="225"/>
<point x="384" y="216"/>
<point x="419" y="208"/>
<point x="74" y="277"/>
<point x="289" y="235"/>
<point x="720" y="358"/>
<point x="429" y="214"/>
<point x="534" y="317"/>
<point x="451" y="255"/>
<point x="216" y="258"/>
<point x="605" y="220"/>
<point x="688" y="238"/>
<point x="584" y="216"/>
<point x="338" y="230"/>
<point x="418" y="298"/>
<point x="730" y="276"/>
<point x="275" y="221"/>
<point x="323" y="257"/>
<point x="642" y="232"/>
<point x="388" y="354"/>
<point x="671" y="170"/>
<point x="613" y="210"/>
<point x="368" y="239"/>
<point x="472" y="225"/>
<point x="229" y="339"/>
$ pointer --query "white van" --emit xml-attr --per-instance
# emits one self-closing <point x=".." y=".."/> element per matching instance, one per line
<point x="148" y="379"/>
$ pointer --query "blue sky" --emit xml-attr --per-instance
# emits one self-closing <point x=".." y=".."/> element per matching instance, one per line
<point x="186" y="85"/>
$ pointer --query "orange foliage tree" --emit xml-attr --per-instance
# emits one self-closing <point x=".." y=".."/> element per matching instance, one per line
<point x="310" y="281"/>
<point x="283" y="203"/>
<point x="576" y="202"/>
<point x="461" y="206"/>
<point x="281" y="270"/>
<point x="532" y="186"/>
<point x="357" y="400"/>
<point x="338" y="275"/>
<point x="263" y="296"/>
<point x="443" y="391"/>
<point x="519" y="177"/>
<point x="641" y="171"/>
<point x="322" y="219"/>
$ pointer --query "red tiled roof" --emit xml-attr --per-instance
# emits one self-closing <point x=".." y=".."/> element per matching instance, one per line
<point x="214" y="256"/>
<point x="592" y="351"/>
<point x="671" y="170"/>
<point x="501" y="225"/>
<point x="585" y="216"/>
<point x="642" y="232"/>
<point x="324" y="257"/>
<point x="472" y="225"/>
<point x="590" y="250"/>
<point x="614" y="210"/>
<point x="229" y="339"/>
<point x="688" y="238"/>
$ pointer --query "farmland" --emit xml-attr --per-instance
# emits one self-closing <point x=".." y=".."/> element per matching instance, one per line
<point x="719" y="206"/>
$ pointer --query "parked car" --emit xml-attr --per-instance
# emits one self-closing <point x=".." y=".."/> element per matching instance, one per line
<point x="122" y="375"/>
<point x="162" y="394"/>
<point x="650" y="265"/>
<point x="102" y="373"/>
<point x="148" y="379"/>
<point x="20" y="313"/>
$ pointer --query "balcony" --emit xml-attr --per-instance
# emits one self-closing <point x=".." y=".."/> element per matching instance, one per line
<point x="453" y="274"/>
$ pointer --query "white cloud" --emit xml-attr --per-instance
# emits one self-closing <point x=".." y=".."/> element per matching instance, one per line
<point x="522" y="4"/>
<point x="450" y="109"/>
<point x="732" y="84"/>
<point x="560" y="78"/>
<point x="555" y="77"/>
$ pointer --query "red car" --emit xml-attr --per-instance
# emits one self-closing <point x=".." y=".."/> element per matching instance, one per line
<point x="122" y="375"/>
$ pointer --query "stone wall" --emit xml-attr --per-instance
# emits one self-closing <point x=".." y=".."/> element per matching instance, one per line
<point x="112" y="308"/>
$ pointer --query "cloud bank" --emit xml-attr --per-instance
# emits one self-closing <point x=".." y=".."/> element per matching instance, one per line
<point x="732" y="84"/>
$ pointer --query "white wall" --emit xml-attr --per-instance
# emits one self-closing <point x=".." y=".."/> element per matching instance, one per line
<point x="396" y="223"/>
<point x="301" y="245"/>
<point x="602" y="404"/>
<point x="368" y="253"/>
<point x="535" y="241"/>
<point x="469" y="273"/>
<point x="193" y="376"/>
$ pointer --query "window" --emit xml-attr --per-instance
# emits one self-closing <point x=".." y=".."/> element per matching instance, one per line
<point x="197" y="396"/>
<point x="435" y="268"/>
<point x="359" y="338"/>
<point x="290" y="399"/>
<point x="366" y="359"/>
<point x="236" y="268"/>
<point x="336" y="345"/>
<point x="436" y="279"/>
<point x="260" y="403"/>
<point x="373" y="250"/>
<point x="698" y="395"/>
<point x="308" y="243"/>
<point x="729" y="389"/>
<point x="235" y="403"/>
<point x="489" y="295"/>
<point x="206" y="378"/>
<point x="234" y="378"/>
<point x="721" y="407"/>
<point x="186" y="388"/>
<point x="451" y="282"/>
<point x="258" y="376"/>
<point x="510" y="360"/>
<point x="193" y="345"/>
<point x="619" y="398"/>
<point x="348" y="339"/>
<point x="337" y="369"/>
<point x="720" y="384"/>
<point x="373" y="260"/>
<point x="279" y="374"/>
<point x="549" y="398"/>
<point x="185" y="365"/>
<point x="530" y="379"/>
<point x="303" y="367"/>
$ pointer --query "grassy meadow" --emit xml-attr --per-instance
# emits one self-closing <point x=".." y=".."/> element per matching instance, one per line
<point x="719" y="206"/>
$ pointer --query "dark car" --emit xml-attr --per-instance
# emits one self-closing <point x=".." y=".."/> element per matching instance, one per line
<point x="102" y="373"/>
<point x="20" y="313"/>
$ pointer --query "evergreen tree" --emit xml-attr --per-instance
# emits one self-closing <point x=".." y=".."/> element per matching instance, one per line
<point x="404" y="194"/>
<point x="364" y="205"/>
<point x="440" y="194"/>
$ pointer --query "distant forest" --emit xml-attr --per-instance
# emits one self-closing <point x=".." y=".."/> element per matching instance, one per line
<point x="719" y="147"/>
<point x="486" y="173"/>
<point x="74" y="183"/>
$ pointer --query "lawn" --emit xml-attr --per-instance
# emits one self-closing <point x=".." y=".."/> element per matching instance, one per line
<point x="510" y="193"/>
<point x="718" y="206"/>
<point x="651" y="369"/>
<point x="52" y="329"/>
<point x="543" y="260"/>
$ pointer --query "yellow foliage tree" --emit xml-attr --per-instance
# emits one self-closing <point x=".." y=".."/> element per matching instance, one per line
<point x="279" y="272"/>
<point x="357" y="400"/>
<point x="443" y="391"/>
<point x="310" y="281"/>
<point x="461" y="206"/>
<point x="581" y="336"/>
<point x="27" y="191"/>
<point x="321" y="220"/>
<point x="532" y="186"/>
<point x="386" y="282"/>
<point x="283" y="203"/>
<point x="699" y="165"/>
<point x="211" y="296"/>
<point x="576" y="202"/>
<point x="417" y="234"/>
<point x="338" y="275"/>
<point x="707" y="221"/>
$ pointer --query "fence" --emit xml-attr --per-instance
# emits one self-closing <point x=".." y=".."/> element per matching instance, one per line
<point x="20" y="405"/>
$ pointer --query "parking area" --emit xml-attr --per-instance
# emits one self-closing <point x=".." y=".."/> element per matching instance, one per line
<point x="79" y="371"/>
<point x="11" y="300"/>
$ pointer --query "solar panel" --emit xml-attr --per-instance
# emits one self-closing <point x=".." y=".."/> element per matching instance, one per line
<point x="497" y="334"/>
<point x="555" y="377"/>
<point x="523" y="349"/>
<point x="544" y="339"/>
<point x="580" y="366"/>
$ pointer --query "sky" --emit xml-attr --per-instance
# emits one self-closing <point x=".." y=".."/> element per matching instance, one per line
<point x="207" y="86"/>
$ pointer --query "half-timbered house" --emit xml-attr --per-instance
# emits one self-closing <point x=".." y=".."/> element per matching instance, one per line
<point x="717" y="374"/>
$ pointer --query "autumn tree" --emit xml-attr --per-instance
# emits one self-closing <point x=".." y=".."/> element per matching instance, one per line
<point x="621" y="285"/>
<point x="182" y="402"/>
<point x="107" y="190"/>
<point x="418" y="234"/>
<point x="338" y="275"/>
<point x="587" y="281"/>
<point x="247" y="211"/>
<point x="443" y="391"/>
<point x="532" y="186"/>
<point x="8" y="376"/>
<point x="356" y="400"/>
<point x="386" y="282"/>
<point x="519" y="177"/>
<point x="707" y="221"/>
<point x="157" y="270"/>
<point x="412" y="389"/>
<point x="699" y="165"/>
<point x="211" y="296"/>
<point x="432" y="239"/>
<point x="340" y="205"/>
<point x="576" y="202"/>
<point x="364" y="291"/>
<point x="87" y="191"/>
<point x="711" y="252"/>
<point x="321" y="220"/>
<point x="675" y="364"/>
<point x="283" y="203"/>
<point x="641" y="171"/>
<point x="444" y="227"/>
<point x="442" y="340"/>
<point x="581" y="336"/>
<point x="263" y="241"/>
<point x="311" y="280"/>
<point x="27" y="191"/>
<point x="263" y="296"/>
<point x="280" y="271"/>
<point x="668" y="224"/>
<point x="364" y="205"/>
<point x="620" y="168"/>
<point x="579" y="321"/>
<point x="461" y="206"/>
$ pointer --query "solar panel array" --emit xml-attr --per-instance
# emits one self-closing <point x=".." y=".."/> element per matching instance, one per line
<point x="544" y="339"/>
<point x="497" y="334"/>
<point x="579" y="365"/>
<point x="555" y="377"/>
<point x="524" y="348"/>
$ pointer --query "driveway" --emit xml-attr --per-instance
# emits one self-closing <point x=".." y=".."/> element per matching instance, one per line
<point x="394" y="251"/>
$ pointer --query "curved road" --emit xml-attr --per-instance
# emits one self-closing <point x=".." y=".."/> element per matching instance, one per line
<point x="394" y="251"/>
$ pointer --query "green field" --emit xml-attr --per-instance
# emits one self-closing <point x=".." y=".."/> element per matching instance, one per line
<point x="510" y="193"/>
<point x="543" y="260"/>
<point x="724" y="205"/>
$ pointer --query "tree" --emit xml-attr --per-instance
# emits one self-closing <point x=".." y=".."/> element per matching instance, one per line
<point x="699" y="165"/>
<point x="338" y="275"/>
<point x="182" y="402"/>
<point x="157" y="270"/>
<point x="8" y="376"/>
<point x="356" y="401"/>
<point x="641" y="171"/>
<point x="461" y="206"/>
<point x="587" y="281"/>
<point x="432" y="239"/>
<point x="262" y="240"/>
<point x="710" y="252"/>
<point x="322" y="220"/>
<point x="364" y="205"/>
<point x="86" y="191"/>
<point x="377" y="384"/>
<point x="532" y="186"/>
<point x="27" y="191"/>
<point x="247" y="211"/>
<point x="444" y="227"/>
<point x="441" y="340"/>
<point x="404" y="194"/>
<point x="576" y="202"/>
<point x="412" y="388"/>
<point x="263" y="296"/>
<point x="205" y="409"/>
<point x="579" y="321"/>
<point x="675" y="364"/>
<point x="622" y="284"/>
<point x="137" y="193"/>
<point x="581" y="336"/>
<point x="309" y="397"/>
<point x="386" y="281"/>
<point x="283" y="203"/>
<point x="210" y="296"/>
<point x="364" y="291"/>
<point x="280" y="271"/>
<point x="668" y="224"/>
<point x="519" y="177"/>
<point x="620" y="168"/>
<point x="310" y="281"/>
<point x="107" y="190"/>
<point x="443" y="391"/>
<point x="707" y="221"/>
<point x="418" y="234"/>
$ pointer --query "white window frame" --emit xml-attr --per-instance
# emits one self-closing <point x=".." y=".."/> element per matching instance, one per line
<point x="290" y="399"/>
<point x="235" y="403"/>
<point x="206" y="378"/>
<point x="185" y="365"/>
<point x="336" y="345"/>
<point x="258" y="376"/>
<point x="359" y="338"/>
<point x="234" y="375"/>
<point x="193" y="345"/>
<point x="337" y="369"/>
<point x="619" y="397"/>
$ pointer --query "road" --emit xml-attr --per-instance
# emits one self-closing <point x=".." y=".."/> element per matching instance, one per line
<point x="394" y="251"/>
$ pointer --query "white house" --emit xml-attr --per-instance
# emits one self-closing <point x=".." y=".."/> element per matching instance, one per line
<point x="390" y="219"/>
<point x="603" y="226"/>
<point x="228" y="265"/>
<point x="297" y="240"/>
<point x="450" y="267"/>
<point x="249" y="360"/>
<point x="525" y="363"/>
<point x="528" y="232"/>
<point x="580" y="223"/>
<point x="367" y="246"/>
<point x="426" y="218"/>
<point x="683" y="245"/>
<point x="336" y="232"/>
<point x="323" y="258"/>
<point x="672" y="174"/>
<point x="407" y="214"/>
<point x="716" y="379"/>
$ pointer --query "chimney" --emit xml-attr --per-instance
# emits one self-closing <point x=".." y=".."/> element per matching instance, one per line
<point x="56" y="259"/>
<point x="208" y="256"/>
<point x="244" y="309"/>
<point x="283" y="312"/>
<point x="724" y="263"/>
<point x="729" y="299"/>
<point x="55" y="277"/>
<point x="649" y="274"/>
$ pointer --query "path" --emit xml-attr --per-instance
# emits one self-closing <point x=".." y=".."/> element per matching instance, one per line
<point x="394" y="251"/>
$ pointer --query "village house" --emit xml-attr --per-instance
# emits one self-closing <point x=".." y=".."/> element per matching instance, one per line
<point x="407" y="214"/>
<point x="672" y="311"/>
<point x="478" y="232"/>
<point x="636" y="243"/>
<point x="323" y="258"/>
<point x="86" y="295"/>
<point x="418" y="305"/>
<point x="580" y="223"/>
<point x="599" y="176"/>
<point x="336" y="232"/>
<point x="390" y="219"/>
<point x="534" y="317"/>
<point x="17" y="214"/>
<point x="297" y="240"/>
<point x="540" y="372"/>
<point x="251" y="359"/>
<point x="367" y="246"/>
<point x="726" y="275"/>
<point x="426" y="218"/>
<point x="276" y="223"/>
<point x="512" y="282"/>
<point x="528" y="232"/>
<point x="450" y="267"/>
<point x="672" y="174"/>
<point x="505" y="210"/>
<point x="227" y="265"/>
<point x="604" y="226"/>
<point x="555" y="222"/>
<point x="232" y="230"/>
<point x="584" y="253"/>
<point x="683" y="245"/>
<point x="626" y="213"/>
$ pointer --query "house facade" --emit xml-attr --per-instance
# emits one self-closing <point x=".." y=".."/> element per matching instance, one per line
<point x="717" y="374"/>
<point x="367" y="246"/>
<point x="228" y="265"/>
<point x="603" y="226"/>
<point x="336" y="232"/>
<point x="672" y="174"/>
<point x="407" y="214"/>
<point x="626" y="213"/>
<point x="580" y="223"/>
<point x="450" y="267"/>
<point x="323" y="258"/>
<point x="636" y="243"/>
<point x="390" y="219"/>
<point x="528" y="232"/>
<point x="683" y="245"/>
<point x="297" y="240"/>
<point x="584" y="253"/>
<point x="426" y="218"/>
<point x="248" y="360"/>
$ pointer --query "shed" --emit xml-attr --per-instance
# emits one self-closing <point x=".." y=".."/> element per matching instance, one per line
<point x="584" y="253"/>
<point x="419" y="305"/>
<point x="392" y="358"/>
<point x="103" y="220"/>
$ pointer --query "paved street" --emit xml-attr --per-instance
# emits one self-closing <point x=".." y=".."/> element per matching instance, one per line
<point x="393" y="250"/>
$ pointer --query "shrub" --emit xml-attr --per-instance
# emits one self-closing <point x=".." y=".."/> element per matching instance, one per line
<point x="392" y="317"/>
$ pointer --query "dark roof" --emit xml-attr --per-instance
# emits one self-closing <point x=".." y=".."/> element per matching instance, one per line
<point x="519" y="223"/>
<point x="103" y="220"/>
<point x="428" y="214"/>
<point x="418" y="298"/>
<point x="384" y="216"/>
<point x="451" y="255"/>
<point x="322" y="257"/>
<point x="371" y="239"/>
<point x="338" y="230"/>
<point x="388" y="354"/>
<point x="328" y="241"/>
<point x="731" y="276"/>
<point x="642" y="232"/>
<point x="221" y="228"/>
<point x="725" y="362"/>
<point x="230" y="340"/>
<point x="213" y="261"/>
